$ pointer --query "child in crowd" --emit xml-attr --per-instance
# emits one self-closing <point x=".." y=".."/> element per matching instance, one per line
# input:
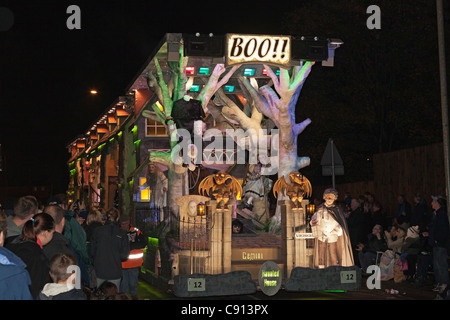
<point x="63" y="286"/>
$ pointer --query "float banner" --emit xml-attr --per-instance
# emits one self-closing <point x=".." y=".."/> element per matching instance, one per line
<point x="273" y="50"/>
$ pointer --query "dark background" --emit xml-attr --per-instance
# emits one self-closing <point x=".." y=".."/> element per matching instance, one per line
<point x="382" y="94"/>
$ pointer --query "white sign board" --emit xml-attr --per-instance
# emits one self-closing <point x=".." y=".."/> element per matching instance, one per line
<point x="274" y="50"/>
<point x="299" y="235"/>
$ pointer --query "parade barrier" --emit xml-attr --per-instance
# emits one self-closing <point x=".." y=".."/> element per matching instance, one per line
<point x="331" y="278"/>
<point x="207" y="285"/>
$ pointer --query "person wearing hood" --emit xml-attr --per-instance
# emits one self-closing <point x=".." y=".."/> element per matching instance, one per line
<point x="14" y="277"/>
<point x="64" y="285"/>
<point x="410" y="249"/>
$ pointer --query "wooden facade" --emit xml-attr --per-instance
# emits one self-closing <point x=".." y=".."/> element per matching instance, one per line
<point x="409" y="172"/>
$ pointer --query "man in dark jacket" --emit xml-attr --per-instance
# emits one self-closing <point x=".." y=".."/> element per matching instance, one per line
<point x="59" y="243"/>
<point x="439" y="240"/>
<point x="368" y="251"/>
<point x="109" y="246"/>
<point x="357" y="223"/>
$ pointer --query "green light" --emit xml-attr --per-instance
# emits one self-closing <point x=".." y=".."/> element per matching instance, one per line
<point x="249" y="72"/>
<point x="195" y="88"/>
<point x="278" y="72"/>
<point x="153" y="242"/>
<point x="203" y="71"/>
<point x="229" y="89"/>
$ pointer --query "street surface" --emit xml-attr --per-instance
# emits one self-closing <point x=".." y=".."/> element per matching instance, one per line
<point x="406" y="291"/>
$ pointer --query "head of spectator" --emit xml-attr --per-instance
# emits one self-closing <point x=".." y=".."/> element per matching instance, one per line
<point x="57" y="213"/>
<point x="25" y="208"/>
<point x="354" y="204"/>
<point x="438" y="202"/>
<point x="112" y="215"/>
<point x="81" y="216"/>
<point x="59" y="266"/>
<point x="124" y="222"/>
<point x="40" y="228"/>
<point x="60" y="199"/>
<point x="94" y="216"/>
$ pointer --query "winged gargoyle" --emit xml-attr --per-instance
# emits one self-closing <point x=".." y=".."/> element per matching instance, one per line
<point x="298" y="188"/>
<point x="222" y="187"/>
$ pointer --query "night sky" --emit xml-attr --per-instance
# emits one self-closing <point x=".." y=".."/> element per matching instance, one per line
<point x="47" y="70"/>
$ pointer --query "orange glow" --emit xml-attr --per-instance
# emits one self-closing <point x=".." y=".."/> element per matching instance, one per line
<point x="93" y="91"/>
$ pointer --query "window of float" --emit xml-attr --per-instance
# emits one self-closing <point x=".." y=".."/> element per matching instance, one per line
<point x="154" y="128"/>
<point x="144" y="193"/>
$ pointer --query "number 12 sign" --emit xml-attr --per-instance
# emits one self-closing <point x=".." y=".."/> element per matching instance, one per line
<point x="196" y="284"/>
<point x="348" y="276"/>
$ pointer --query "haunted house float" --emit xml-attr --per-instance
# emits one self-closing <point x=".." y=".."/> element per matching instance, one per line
<point x="215" y="117"/>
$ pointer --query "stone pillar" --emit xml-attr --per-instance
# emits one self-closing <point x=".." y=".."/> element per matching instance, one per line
<point x="218" y="231"/>
<point x="287" y="236"/>
<point x="227" y="218"/>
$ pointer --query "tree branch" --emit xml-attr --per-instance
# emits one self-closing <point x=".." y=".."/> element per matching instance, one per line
<point x="260" y="101"/>
<point x="214" y="84"/>
<point x="160" y="157"/>
<point x="166" y="99"/>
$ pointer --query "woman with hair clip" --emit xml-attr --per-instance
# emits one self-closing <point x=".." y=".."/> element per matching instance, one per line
<point x="36" y="233"/>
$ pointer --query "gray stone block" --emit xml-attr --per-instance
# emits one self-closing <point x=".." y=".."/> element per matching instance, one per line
<point x="209" y="285"/>
<point x="331" y="278"/>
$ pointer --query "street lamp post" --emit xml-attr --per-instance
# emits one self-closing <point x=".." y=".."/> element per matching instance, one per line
<point x="444" y="103"/>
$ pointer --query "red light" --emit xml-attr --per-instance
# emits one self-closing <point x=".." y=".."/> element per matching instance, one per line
<point x="190" y="71"/>
<point x="264" y="73"/>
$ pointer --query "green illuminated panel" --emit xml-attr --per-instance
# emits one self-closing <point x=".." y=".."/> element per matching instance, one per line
<point x="229" y="89"/>
<point x="203" y="71"/>
<point x="195" y="88"/>
<point x="249" y="72"/>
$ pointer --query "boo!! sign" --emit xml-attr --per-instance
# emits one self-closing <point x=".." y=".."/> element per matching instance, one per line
<point x="274" y="50"/>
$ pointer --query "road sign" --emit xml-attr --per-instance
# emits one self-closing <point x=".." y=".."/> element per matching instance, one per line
<point x="332" y="164"/>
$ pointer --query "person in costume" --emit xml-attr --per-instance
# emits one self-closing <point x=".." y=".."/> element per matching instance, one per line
<point x="332" y="240"/>
<point x="158" y="184"/>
